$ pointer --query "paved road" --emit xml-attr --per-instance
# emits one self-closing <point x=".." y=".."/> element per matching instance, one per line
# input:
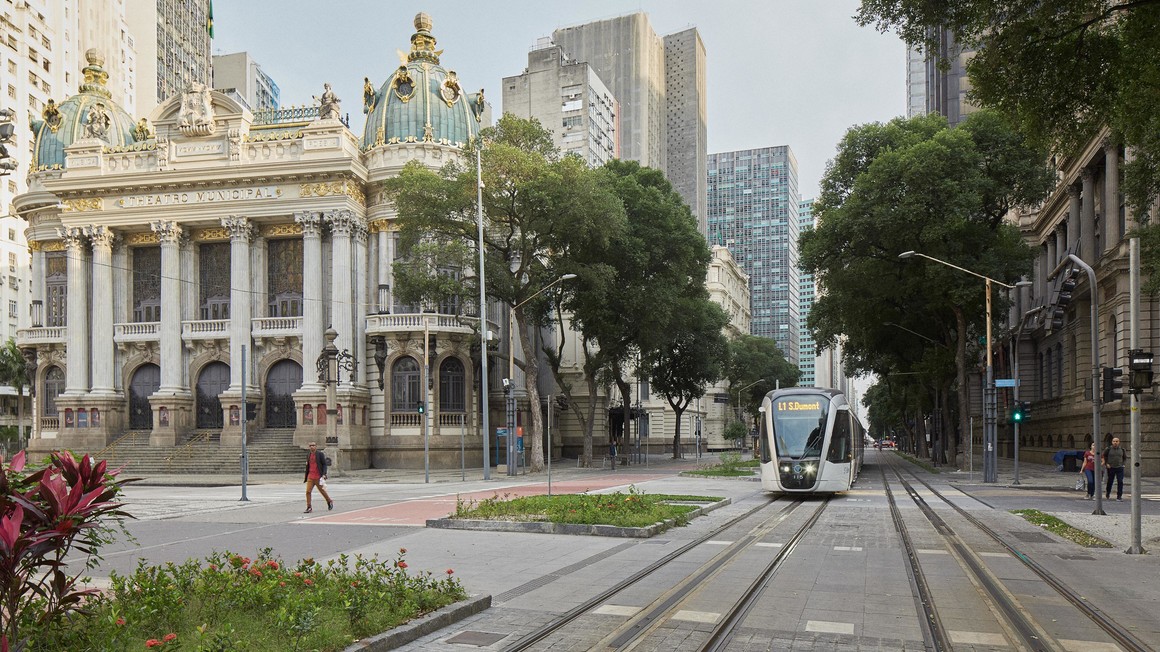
<point x="533" y="577"/>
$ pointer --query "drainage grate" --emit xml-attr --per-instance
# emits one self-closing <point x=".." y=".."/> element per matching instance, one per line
<point x="1077" y="557"/>
<point x="478" y="639"/>
<point x="1032" y="537"/>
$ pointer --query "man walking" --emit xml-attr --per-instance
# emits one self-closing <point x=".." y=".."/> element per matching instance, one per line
<point x="1114" y="463"/>
<point x="316" y="477"/>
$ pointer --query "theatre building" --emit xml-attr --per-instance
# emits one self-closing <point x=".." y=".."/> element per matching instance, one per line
<point x="183" y="259"/>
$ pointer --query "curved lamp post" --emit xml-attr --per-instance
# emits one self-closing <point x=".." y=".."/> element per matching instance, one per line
<point x="990" y="473"/>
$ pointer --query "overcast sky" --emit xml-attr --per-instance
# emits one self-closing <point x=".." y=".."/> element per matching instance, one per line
<point x="780" y="72"/>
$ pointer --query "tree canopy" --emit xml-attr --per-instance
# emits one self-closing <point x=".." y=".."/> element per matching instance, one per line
<point x="755" y="366"/>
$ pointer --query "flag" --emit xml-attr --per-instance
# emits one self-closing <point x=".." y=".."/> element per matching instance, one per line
<point x="209" y="20"/>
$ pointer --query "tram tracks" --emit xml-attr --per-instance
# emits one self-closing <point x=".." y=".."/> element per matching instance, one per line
<point x="1019" y="624"/>
<point x="647" y="620"/>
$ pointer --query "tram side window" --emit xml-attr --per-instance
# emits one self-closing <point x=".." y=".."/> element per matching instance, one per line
<point x="840" y="444"/>
<point x="765" y="446"/>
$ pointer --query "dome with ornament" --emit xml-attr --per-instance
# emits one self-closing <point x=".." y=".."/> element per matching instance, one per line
<point x="422" y="102"/>
<point x="91" y="114"/>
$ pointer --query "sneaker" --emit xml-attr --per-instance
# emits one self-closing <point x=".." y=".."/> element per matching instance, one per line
<point x="308" y="510"/>
<point x="1120" y="499"/>
<point x="329" y="505"/>
<point x="1087" y="497"/>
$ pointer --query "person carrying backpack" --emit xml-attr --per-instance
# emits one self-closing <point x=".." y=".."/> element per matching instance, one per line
<point x="316" y="464"/>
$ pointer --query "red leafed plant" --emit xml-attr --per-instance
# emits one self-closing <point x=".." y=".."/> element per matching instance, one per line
<point x="46" y="514"/>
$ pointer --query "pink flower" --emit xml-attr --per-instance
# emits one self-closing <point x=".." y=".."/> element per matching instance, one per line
<point x="121" y="621"/>
<point x="152" y="643"/>
<point x="169" y="637"/>
<point x="401" y="564"/>
<point x="308" y="582"/>
<point x="272" y="564"/>
<point x="450" y="572"/>
<point x="402" y="551"/>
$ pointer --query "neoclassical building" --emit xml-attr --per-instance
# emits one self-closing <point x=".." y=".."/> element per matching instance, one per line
<point x="186" y="258"/>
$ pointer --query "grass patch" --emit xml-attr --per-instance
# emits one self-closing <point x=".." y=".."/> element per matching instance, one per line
<point x="917" y="461"/>
<point x="231" y="603"/>
<point x="730" y="466"/>
<point x="1057" y="526"/>
<point x="634" y="509"/>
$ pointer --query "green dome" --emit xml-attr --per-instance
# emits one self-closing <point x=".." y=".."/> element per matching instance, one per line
<point x="91" y="113"/>
<point x="421" y="101"/>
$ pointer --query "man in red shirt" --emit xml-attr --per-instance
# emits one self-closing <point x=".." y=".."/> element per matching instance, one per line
<point x="315" y="473"/>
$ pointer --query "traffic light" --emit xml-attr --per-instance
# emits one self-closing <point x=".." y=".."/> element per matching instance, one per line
<point x="1139" y="371"/>
<point x="422" y="407"/>
<point x="1113" y="384"/>
<point x="1017" y="412"/>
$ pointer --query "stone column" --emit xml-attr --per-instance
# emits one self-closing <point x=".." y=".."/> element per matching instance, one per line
<point x="1053" y="251"/>
<point x="241" y="231"/>
<point x="76" y="313"/>
<point x="1112" y="232"/>
<point x="1087" y="229"/>
<point x="385" y="260"/>
<point x="38" y="278"/>
<point x="313" y="310"/>
<point x="342" y="225"/>
<point x="102" y="315"/>
<point x="360" y="306"/>
<point x="1073" y="218"/>
<point x="170" y="233"/>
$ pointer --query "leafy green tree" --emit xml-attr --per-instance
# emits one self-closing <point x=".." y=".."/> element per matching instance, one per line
<point x="755" y="366"/>
<point x="657" y="260"/>
<point x="1060" y="70"/>
<point x="543" y="213"/>
<point x="13" y="374"/>
<point x="691" y="359"/>
<point x="916" y="185"/>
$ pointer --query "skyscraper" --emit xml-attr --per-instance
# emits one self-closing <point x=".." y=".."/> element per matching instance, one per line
<point x="569" y="99"/>
<point x="916" y="81"/>
<point x="172" y="38"/>
<point x="239" y="72"/>
<point x="660" y="84"/>
<point x="753" y="208"/>
<point x="806" y="293"/>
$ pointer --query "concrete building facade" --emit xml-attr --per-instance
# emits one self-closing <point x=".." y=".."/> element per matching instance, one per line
<point x="753" y="206"/>
<point x="570" y="100"/>
<point x="660" y="85"/>
<point x="172" y="39"/>
<point x="239" y="71"/>
<point x="807" y="351"/>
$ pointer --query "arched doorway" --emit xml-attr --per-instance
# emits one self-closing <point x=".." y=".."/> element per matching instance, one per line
<point x="284" y="379"/>
<point x="53" y="387"/>
<point x="213" y="380"/>
<point x="145" y="382"/>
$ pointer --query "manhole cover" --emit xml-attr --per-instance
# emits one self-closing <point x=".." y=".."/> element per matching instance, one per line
<point x="478" y="639"/>
<point x="1032" y="537"/>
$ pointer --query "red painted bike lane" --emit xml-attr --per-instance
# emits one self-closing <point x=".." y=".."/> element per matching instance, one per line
<point x="416" y="512"/>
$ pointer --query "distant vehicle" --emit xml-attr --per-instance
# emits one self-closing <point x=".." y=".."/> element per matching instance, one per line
<point x="810" y="441"/>
<point x="885" y="443"/>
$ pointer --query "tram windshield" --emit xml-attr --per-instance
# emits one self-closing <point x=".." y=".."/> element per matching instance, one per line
<point x="799" y="425"/>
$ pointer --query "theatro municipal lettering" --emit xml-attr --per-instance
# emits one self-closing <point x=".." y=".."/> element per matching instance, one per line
<point x="198" y="197"/>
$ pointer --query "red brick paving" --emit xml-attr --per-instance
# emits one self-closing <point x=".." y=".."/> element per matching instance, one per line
<point x="416" y="512"/>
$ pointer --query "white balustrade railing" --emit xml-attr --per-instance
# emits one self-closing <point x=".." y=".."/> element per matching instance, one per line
<point x="277" y="325"/>
<point x="146" y="330"/>
<point x="40" y="334"/>
<point x="205" y="328"/>
<point x="409" y="322"/>
<point x="49" y="423"/>
<point x="452" y="419"/>
<point x="406" y="419"/>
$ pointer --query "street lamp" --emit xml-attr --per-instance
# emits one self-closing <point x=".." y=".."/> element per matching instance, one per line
<point x="331" y="362"/>
<point x="990" y="462"/>
<point x="484" y="385"/>
<point x="509" y="387"/>
<point x="1015" y="373"/>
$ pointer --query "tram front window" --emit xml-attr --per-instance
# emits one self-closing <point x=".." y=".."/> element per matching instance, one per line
<point x="799" y="425"/>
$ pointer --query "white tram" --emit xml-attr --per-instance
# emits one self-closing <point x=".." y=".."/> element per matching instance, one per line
<point x="810" y="441"/>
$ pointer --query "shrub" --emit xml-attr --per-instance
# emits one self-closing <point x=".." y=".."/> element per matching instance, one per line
<point x="735" y="431"/>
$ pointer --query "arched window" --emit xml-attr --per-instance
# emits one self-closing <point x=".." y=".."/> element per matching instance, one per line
<point x="211" y="382"/>
<point x="284" y="379"/>
<point x="452" y="386"/>
<point x="53" y="387"/>
<point x="145" y="382"/>
<point x="405" y="394"/>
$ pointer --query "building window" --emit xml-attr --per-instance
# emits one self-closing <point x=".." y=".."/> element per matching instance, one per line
<point x="147" y="284"/>
<point x="452" y="386"/>
<point x="12" y="309"/>
<point x="214" y="280"/>
<point x="53" y="387"/>
<point x="284" y="278"/>
<point x="55" y="289"/>
<point x="405" y="394"/>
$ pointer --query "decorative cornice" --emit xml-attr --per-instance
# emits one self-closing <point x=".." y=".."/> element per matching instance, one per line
<point x="81" y="205"/>
<point x="35" y="246"/>
<point x="379" y="226"/>
<point x="280" y="230"/>
<point x="147" y="238"/>
<point x="329" y="188"/>
<point x="52" y="245"/>
<point x="212" y="234"/>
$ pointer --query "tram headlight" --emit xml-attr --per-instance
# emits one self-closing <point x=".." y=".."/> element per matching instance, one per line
<point x="785" y="468"/>
<point x="809" y="469"/>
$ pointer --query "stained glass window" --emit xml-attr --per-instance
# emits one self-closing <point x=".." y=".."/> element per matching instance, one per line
<point x="214" y="280"/>
<point x="146" y="284"/>
<point x="56" y="288"/>
<point x="284" y="274"/>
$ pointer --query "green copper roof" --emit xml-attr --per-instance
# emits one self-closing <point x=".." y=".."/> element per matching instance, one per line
<point x="90" y="113"/>
<point x="421" y="101"/>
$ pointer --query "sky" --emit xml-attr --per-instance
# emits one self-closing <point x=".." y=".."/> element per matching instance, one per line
<point x="779" y="72"/>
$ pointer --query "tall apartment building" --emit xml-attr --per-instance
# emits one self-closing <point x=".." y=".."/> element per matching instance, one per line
<point x="947" y="89"/>
<point x="660" y="84"/>
<point x="569" y="99"/>
<point x="239" y="72"/>
<point x="753" y="208"/>
<point x="173" y="47"/>
<point x="916" y="95"/>
<point x="807" y="351"/>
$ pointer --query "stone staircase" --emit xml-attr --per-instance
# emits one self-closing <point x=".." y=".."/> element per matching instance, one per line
<point x="270" y="451"/>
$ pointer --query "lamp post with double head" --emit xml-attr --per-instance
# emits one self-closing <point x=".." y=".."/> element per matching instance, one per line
<point x="330" y="359"/>
<point x="509" y="385"/>
<point x="484" y="385"/>
<point x="1015" y="374"/>
<point x="990" y="461"/>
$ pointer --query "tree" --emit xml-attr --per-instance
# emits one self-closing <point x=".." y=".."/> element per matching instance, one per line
<point x="544" y="213"/>
<point x="658" y="259"/>
<point x="917" y="185"/>
<point x="755" y="366"/>
<point x="13" y="374"/>
<point x="691" y="358"/>
<point x="1060" y="70"/>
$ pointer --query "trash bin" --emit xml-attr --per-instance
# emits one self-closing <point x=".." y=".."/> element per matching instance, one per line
<point x="1070" y="465"/>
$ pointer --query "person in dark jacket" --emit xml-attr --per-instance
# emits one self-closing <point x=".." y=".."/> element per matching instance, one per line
<point x="315" y="475"/>
<point x="1114" y="463"/>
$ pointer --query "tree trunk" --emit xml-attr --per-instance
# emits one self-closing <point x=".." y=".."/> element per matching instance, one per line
<point x="964" y="389"/>
<point x="626" y="410"/>
<point x="532" y="387"/>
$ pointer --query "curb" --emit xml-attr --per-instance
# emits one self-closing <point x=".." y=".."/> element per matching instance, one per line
<point x="576" y="529"/>
<point x="422" y="626"/>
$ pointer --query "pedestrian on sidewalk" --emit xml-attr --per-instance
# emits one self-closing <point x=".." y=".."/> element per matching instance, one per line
<point x="316" y="464"/>
<point x="1089" y="470"/>
<point x="1114" y="463"/>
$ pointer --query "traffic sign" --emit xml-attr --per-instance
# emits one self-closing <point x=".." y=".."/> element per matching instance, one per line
<point x="1004" y="382"/>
